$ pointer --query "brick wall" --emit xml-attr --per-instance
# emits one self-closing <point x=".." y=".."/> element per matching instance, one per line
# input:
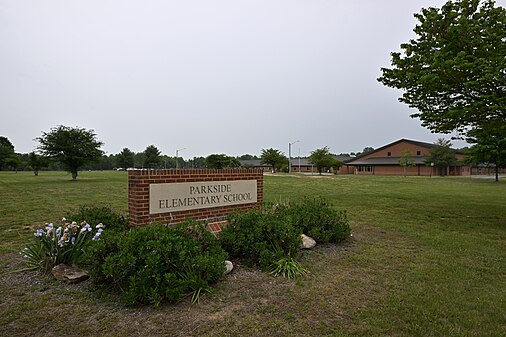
<point x="138" y="194"/>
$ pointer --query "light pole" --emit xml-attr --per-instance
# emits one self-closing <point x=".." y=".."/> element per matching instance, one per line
<point x="299" y="159"/>
<point x="177" y="155"/>
<point x="290" y="156"/>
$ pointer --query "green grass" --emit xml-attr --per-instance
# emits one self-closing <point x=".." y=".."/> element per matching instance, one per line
<point x="427" y="258"/>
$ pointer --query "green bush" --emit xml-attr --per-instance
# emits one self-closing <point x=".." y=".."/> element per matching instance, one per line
<point x="316" y="218"/>
<point x="99" y="214"/>
<point x="259" y="239"/>
<point x="159" y="263"/>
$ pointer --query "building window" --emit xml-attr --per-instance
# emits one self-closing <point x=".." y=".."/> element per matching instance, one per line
<point x="365" y="168"/>
<point x="418" y="153"/>
<point x="389" y="154"/>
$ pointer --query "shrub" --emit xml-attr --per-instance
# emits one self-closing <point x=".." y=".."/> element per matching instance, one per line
<point x="316" y="218"/>
<point x="100" y="214"/>
<point x="288" y="267"/>
<point x="52" y="245"/>
<point x="159" y="263"/>
<point x="260" y="238"/>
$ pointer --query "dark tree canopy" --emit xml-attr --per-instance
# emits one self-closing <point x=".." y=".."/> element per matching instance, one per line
<point x="151" y="157"/>
<point x="125" y="158"/>
<point x="72" y="147"/>
<point x="454" y="72"/>
<point x="7" y="154"/>
<point x="219" y="161"/>
<point x="321" y="158"/>
<point x="247" y="157"/>
<point x="275" y="158"/>
<point x="489" y="148"/>
<point x="37" y="162"/>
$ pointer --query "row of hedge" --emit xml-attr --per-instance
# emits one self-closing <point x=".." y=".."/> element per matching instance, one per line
<point x="159" y="264"/>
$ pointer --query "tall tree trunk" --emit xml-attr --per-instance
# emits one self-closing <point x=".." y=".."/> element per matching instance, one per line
<point x="74" y="174"/>
<point x="496" y="172"/>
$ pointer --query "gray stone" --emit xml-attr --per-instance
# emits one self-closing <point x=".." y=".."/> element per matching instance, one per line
<point x="307" y="242"/>
<point x="69" y="274"/>
<point x="228" y="267"/>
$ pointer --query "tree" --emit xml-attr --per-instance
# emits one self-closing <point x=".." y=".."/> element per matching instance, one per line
<point x="275" y="158"/>
<point x="7" y="154"/>
<point x="490" y="148"/>
<point x="151" y="157"/>
<point x="125" y="158"/>
<point x="247" y="157"/>
<point x="321" y="158"/>
<point x="366" y="150"/>
<point x="37" y="162"/>
<point x="454" y="71"/>
<point x="198" y="162"/>
<point x="139" y="159"/>
<point x="72" y="147"/>
<point x="219" y="161"/>
<point x="336" y="165"/>
<point x="406" y="160"/>
<point x="441" y="156"/>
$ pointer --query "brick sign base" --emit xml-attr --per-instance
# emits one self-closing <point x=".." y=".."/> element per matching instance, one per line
<point x="139" y="182"/>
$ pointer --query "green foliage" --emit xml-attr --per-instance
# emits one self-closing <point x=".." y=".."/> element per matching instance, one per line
<point x="260" y="238"/>
<point x="406" y="160"/>
<point x="159" y="263"/>
<point x="288" y="267"/>
<point x="219" y="161"/>
<point x="336" y="165"/>
<point x="52" y="245"/>
<point x="317" y="218"/>
<point x="100" y="214"/>
<point x="490" y="148"/>
<point x="275" y="158"/>
<point x="247" y="157"/>
<point x="37" y="162"/>
<point x="270" y="238"/>
<point x="72" y="147"/>
<point x="8" y="157"/>
<point x="322" y="158"/>
<point x="453" y="72"/>
<point x="151" y="157"/>
<point x="125" y="158"/>
<point x="441" y="155"/>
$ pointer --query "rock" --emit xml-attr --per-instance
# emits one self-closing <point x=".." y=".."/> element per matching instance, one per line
<point x="307" y="242"/>
<point x="69" y="274"/>
<point x="228" y="267"/>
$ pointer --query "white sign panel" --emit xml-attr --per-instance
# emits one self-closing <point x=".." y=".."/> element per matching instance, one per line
<point x="175" y="197"/>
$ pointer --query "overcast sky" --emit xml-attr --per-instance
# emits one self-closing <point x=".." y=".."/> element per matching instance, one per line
<point x="211" y="76"/>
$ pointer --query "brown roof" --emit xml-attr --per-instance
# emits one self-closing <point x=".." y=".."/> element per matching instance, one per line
<point x="418" y="159"/>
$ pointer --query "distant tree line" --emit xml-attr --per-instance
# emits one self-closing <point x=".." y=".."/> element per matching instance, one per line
<point x="75" y="149"/>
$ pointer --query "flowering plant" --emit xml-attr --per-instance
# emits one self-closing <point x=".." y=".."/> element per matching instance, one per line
<point x="63" y="244"/>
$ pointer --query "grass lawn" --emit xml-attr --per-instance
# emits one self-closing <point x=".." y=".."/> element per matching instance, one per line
<point x="427" y="258"/>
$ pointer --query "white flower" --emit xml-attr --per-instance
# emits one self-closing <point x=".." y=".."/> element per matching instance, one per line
<point x="100" y="225"/>
<point x="97" y="236"/>
<point x="86" y="228"/>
